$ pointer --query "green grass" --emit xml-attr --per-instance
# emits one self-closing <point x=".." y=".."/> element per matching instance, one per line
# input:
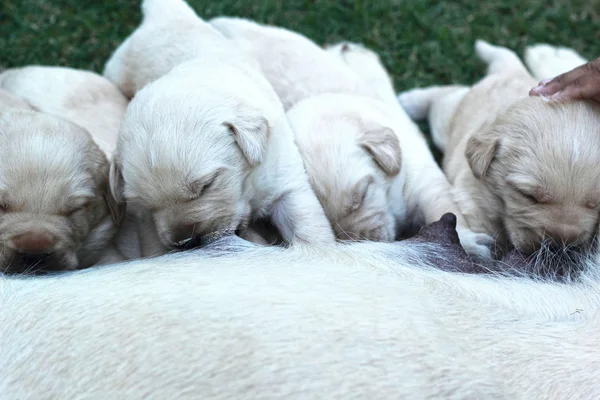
<point x="421" y="42"/>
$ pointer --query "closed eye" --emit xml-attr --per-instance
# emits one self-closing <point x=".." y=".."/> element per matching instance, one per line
<point x="78" y="207"/>
<point x="201" y="186"/>
<point x="529" y="197"/>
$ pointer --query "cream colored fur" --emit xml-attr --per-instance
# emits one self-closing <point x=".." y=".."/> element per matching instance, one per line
<point x="345" y="130"/>
<point x="367" y="64"/>
<point x="524" y="169"/>
<point x="9" y="100"/>
<point x="205" y="147"/>
<point x="368" y="320"/>
<point x="53" y="182"/>
<point x="82" y="97"/>
<point x="546" y="61"/>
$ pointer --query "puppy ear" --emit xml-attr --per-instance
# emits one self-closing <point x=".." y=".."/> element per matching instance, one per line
<point x="251" y="133"/>
<point x="117" y="210"/>
<point x="383" y="145"/>
<point x="480" y="151"/>
<point x="115" y="179"/>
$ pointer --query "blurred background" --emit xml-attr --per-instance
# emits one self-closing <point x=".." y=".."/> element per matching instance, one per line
<point x="421" y="42"/>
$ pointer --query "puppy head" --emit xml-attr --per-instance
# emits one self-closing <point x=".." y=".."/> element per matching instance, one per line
<point x="351" y="162"/>
<point x="541" y="160"/>
<point x="188" y="163"/>
<point x="54" y="198"/>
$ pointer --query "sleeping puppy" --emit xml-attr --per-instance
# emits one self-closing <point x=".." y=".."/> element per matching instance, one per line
<point x="367" y="161"/>
<point x="84" y="98"/>
<point x="204" y="147"/>
<point x="81" y="97"/>
<point x="524" y="169"/>
<point x="55" y="205"/>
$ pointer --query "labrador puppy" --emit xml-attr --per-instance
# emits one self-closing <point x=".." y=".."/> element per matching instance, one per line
<point x="524" y="169"/>
<point x="367" y="161"/>
<point x="86" y="99"/>
<point x="56" y="210"/>
<point x="205" y="147"/>
<point x="81" y="97"/>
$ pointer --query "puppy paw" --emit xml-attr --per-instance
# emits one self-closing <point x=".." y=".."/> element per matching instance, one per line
<point x="478" y="245"/>
<point x="546" y="61"/>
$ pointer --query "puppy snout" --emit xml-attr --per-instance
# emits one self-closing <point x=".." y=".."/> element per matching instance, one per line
<point x="185" y="237"/>
<point x="566" y="234"/>
<point x="34" y="243"/>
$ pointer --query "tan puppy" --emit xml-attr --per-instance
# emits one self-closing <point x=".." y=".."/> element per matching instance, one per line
<point x="205" y="147"/>
<point x="524" y="169"/>
<point x="55" y="204"/>
<point x="81" y="97"/>
<point x="367" y="161"/>
<point x="84" y="98"/>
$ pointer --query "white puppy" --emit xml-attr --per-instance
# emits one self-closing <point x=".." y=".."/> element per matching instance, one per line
<point x="55" y="204"/>
<point x="368" y="320"/>
<point x="524" y="169"/>
<point x="81" y="97"/>
<point x="205" y="147"/>
<point x="368" y="162"/>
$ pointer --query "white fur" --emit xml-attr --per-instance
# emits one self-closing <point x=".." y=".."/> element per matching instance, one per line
<point x="288" y="61"/>
<point x="508" y="182"/>
<point x="82" y="97"/>
<point x="367" y="320"/>
<point x="546" y="61"/>
<point x="201" y="106"/>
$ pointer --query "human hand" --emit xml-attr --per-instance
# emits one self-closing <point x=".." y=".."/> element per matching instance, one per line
<point x="581" y="83"/>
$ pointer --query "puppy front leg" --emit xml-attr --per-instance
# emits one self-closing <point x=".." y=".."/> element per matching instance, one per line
<point x="301" y="219"/>
<point x="427" y="190"/>
<point x="150" y="244"/>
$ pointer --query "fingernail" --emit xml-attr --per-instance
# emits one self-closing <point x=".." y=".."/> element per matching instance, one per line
<point x="556" y="95"/>
<point x="536" y="90"/>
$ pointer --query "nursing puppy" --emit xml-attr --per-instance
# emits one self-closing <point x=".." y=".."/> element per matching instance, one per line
<point x="204" y="147"/>
<point x="56" y="210"/>
<point x="367" y="161"/>
<point x="81" y="97"/>
<point x="524" y="169"/>
<point x="391" y="327"/>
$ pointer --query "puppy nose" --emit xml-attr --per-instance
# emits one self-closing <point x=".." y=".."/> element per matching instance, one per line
<point x="185" y="237"/>
<point x="566" y="234"/>
<point x="34" y="242"/>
